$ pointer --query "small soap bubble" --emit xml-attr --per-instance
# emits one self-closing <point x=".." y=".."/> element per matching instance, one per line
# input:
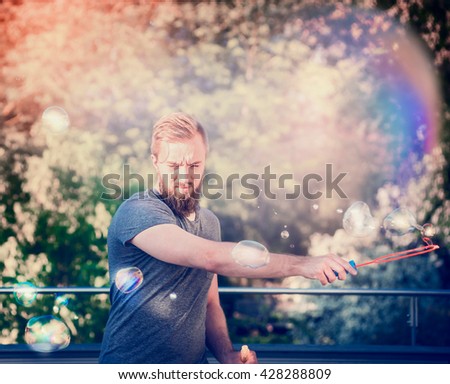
<point x="400" y="222"/>
<point x="55" y="119"/>
<point x="358" y="221"/>
<point x="129" y="279"/>
<point x="25" y="294"/>
<point x="47" y="334"/>
<point x="428" y="230"/>
<point x="60" y="301"/>
<point x="292" y="246"/>
<point x="173" y="296"/>
<point x="339" y="210"/>
<point x="250" y="254"/>
<point x="284" y="234"/>
<point x="315" y="207"/>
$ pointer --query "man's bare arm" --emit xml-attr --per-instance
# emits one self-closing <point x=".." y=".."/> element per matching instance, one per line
<point x="170" y="243"/>
<point x="217" y="337"/>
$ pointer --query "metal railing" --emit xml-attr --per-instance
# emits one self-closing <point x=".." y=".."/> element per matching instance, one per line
<point x="413" y="295"/>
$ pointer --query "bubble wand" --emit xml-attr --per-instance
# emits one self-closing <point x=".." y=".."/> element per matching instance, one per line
<point x="429" y="247"/>
<point x="359" y="222"/>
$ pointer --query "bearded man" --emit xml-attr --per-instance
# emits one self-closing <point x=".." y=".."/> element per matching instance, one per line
<point x="175" y="314"/>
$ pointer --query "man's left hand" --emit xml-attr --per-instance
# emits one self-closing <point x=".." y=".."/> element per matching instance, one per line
<point x="245" y="356"/>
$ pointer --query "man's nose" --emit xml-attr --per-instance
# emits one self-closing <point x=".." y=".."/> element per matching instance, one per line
<point x="183" y="172"/>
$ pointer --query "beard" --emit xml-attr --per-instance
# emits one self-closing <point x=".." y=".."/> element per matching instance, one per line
<point x="179" y="203"/>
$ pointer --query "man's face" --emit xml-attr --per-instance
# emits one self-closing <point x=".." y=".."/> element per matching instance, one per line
<point x="180" y="167"/>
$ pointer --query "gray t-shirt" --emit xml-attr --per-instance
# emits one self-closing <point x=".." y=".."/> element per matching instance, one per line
<point x="162" y="321"/>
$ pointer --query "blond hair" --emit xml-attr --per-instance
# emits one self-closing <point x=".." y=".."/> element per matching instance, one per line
<point x="176" y="127"/>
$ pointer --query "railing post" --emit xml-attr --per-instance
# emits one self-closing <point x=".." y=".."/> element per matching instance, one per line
<point x="413" y="317"/>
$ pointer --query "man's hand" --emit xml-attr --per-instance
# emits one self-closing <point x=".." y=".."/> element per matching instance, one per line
<point x="244" y="356"/>
<point x="322" y="268"/>
<point x="247" y="356"/>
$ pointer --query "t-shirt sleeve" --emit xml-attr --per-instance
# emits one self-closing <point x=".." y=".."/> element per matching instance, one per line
<point x="135" y="216"/>
<point x="219" y="230"/>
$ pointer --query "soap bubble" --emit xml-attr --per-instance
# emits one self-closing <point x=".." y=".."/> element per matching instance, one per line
<point x="173" y="296"/>
<point x="55" y="119"/>
<point x="250" y="254"/>
<point x="400" y="222"/>
<point x="358" y="221"/>
<point x="428" y="230"/>
<point x="284" y="234"/>
<point x="129" y="279"/>
<point x="47" y="334"/>
<point x="315" y="207"/>
<point x="25" y="293"/>
<point x="60" y="301"/>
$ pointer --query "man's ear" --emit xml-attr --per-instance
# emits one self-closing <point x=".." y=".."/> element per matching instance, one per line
<point x="154" y="161"/>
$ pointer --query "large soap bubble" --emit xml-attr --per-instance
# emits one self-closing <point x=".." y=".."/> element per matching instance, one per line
<point x="129" y="279"/>
<point x="47" y="334"/>
<point x="400" y="222"/>
<point x="55" y="119"/>
<point x="358" y="220"/>
<point x="250" y="254"/>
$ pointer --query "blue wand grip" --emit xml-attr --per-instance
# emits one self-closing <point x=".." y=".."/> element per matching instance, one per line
<point x="352" y="263"/>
